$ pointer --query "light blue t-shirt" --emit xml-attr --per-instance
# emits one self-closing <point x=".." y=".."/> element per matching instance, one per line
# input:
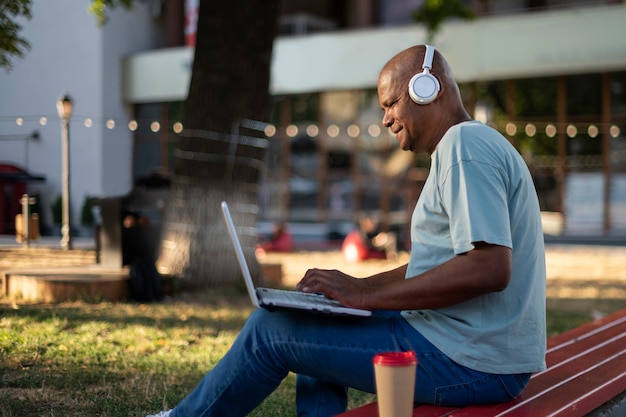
<point x="479" y="189"/>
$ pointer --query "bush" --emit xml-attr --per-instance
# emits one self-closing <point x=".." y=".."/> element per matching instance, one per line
<point x="57" y="210"/>
<point x="86" y="215"/>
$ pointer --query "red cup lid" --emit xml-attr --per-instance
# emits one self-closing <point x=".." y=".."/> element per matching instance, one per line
<point x="395" y="358"/>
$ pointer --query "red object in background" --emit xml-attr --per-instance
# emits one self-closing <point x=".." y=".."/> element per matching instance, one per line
<point x="13" y="181"/>
<point x="354" y="249"/>
<point x="280" y="242"/>
<point x="191" y="21"/>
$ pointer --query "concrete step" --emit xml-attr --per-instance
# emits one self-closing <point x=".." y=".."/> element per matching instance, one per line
<point x="53" y="275"/>
<point x="90" y="283"/>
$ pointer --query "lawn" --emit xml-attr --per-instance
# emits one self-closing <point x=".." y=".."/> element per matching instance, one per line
<point x="119" y="359"/>
<point x="125" y="359"/>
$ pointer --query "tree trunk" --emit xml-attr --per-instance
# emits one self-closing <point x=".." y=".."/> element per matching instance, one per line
<point x="217" y="157"/>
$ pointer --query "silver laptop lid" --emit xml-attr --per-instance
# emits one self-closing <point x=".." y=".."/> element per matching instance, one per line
<point x="240" y="256"/>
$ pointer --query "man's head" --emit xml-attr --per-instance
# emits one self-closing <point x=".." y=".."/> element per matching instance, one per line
<point x="418" y="127"/>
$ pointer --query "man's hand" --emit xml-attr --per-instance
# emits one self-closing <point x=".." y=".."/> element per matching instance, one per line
<point x="334" y="284"/>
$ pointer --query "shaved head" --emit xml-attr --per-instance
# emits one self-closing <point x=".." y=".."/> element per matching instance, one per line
<point x="409" y="62"/>
<point x="418" y="127"/>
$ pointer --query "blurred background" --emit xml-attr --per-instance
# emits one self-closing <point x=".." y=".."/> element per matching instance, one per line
<point x="549" y="74"/>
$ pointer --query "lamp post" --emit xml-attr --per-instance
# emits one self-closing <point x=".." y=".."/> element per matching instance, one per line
<point x="65" y="105"/>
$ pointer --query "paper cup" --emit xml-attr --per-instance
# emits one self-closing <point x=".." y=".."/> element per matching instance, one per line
<point x="395" y="383"/>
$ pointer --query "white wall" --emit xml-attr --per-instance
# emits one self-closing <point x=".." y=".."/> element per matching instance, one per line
<point x="522" y="45"/>
<point x="69" y="52"/>
<point x="126" y="33"/>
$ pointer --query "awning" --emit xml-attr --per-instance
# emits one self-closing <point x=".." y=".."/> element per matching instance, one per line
<point x="524" y="45"/>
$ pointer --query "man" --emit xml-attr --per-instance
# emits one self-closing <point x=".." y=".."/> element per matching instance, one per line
<point x="470" y="302"/>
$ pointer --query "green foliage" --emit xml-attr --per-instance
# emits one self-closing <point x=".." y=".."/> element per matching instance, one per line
<point x="434" y="12"/>
<point x="11" y="43"/>
<point x="534" y="99"/>
<point x="99" y="8"/>
<point x="86" y="215"/>
<point x="57" y="210"/>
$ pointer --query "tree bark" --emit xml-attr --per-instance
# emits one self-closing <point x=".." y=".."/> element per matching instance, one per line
<point x="217" y="157"/>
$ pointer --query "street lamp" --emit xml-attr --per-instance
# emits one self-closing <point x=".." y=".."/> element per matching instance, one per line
<point x="65" y="105"/>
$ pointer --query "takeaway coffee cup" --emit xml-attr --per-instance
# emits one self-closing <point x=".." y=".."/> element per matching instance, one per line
<point x="395" y="383"/>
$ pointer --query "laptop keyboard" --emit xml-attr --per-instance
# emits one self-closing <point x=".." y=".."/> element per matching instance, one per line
<point x="299" y="297"/>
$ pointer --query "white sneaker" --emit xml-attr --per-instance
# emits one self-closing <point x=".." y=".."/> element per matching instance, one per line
<point x="161" y="414"/>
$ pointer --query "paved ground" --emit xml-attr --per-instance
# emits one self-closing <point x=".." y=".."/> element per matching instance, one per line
<point x="574" y="270"/>
<point x="45" y="252"/>
<point x="51" y="242"/>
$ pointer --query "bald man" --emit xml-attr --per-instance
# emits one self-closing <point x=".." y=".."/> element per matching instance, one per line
<point x="470" y="302"/>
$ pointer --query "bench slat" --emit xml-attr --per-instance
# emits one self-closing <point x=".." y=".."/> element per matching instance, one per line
<point x="576" y="359"/>
<point x="586" y="368"/>
<point x="617" y="318"/>
<point x="371" y="410"/>
<point x="592" y="367"/>
<point x="586" y="335"/>
<point x="577" y="397"/>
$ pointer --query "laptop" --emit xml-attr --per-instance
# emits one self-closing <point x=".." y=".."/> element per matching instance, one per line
<point x="273" y="299"/>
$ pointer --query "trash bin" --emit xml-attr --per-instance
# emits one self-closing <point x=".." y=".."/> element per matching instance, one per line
<point x="109" y="232"/>
<point x="130" y="226"/>
<point x="119" y="235"/>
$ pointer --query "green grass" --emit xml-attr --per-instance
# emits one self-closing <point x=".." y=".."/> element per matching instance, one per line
<point x="123" y="359"/>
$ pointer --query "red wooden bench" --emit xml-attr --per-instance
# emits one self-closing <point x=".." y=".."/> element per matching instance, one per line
<point x="585" y="375"/>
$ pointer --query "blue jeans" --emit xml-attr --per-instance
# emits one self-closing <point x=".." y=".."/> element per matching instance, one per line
<point x="329" y="354"/>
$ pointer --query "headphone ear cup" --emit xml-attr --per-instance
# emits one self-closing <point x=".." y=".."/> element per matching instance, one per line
<point x="423" y="88"/>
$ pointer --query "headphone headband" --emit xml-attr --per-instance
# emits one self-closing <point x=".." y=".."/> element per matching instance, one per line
<point x="428" y="58"/>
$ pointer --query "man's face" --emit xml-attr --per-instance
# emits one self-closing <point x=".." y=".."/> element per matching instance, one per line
<point x="406" y="119"/>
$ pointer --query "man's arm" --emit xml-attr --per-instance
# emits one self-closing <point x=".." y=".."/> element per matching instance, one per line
<point x="486" y="268"/>
<point x="387" y="277"/>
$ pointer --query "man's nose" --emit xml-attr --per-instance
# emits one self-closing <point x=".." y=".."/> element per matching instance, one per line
<point x="387" y="120"/>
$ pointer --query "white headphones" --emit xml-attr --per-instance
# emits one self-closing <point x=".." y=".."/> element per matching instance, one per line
<point x="424" y="87"/>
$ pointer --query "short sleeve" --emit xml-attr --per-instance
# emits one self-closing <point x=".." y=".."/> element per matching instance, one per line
<point x="474" y="195"/>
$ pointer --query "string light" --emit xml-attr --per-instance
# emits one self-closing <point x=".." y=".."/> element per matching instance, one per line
<point x="312" y="130"/>
<point x="374" y="130"/>
<point x="353" y="131"/>
<point x="333" y="131"/>
<point x="571" y="131"/>
<point x="614" y="131"/>
<point x="292" y="131"/>
<point x="510" y="129"/>
<point x="270" y="131"/>
<point x="550" y="130"/>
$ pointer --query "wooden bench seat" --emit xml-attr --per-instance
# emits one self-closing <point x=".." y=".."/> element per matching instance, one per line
<point x="586" y="371"/>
